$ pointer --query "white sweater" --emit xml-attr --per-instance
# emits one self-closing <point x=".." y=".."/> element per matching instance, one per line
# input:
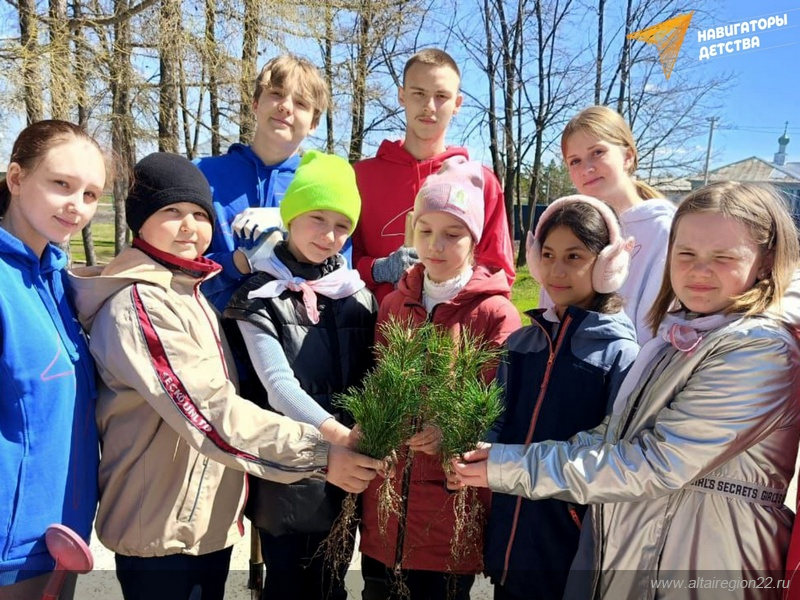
<point x="649" y="224"/>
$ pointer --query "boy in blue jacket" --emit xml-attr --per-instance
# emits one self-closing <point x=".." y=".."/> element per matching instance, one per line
<point x="289" y="98"/>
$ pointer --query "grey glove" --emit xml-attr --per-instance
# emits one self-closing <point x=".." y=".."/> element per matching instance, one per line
<point x="391" y="268"/>
<point x="259" y="248"/>
<point x="252" y="222"/>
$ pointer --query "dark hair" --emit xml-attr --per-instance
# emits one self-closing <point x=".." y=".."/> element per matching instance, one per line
<point x="587" y="224"/>
<point x="34" y="142"/>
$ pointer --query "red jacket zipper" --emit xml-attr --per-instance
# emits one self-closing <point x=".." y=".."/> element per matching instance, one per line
<point x="532" y="428"/>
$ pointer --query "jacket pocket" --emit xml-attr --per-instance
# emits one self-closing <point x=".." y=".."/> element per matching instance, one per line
<point x="194" y="489"/>
<point x="31" y="511"/>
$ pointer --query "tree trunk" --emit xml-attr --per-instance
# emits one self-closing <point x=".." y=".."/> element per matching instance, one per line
<point x="31" y="80"/>
<point x="198" y="116"/>
<point x="60" y="58"/>
<point x="358" y="106"/>
<point x="510" y="36"/>
<point x="491" y="75"/>
<point x="247" y="121"/>
<point x="212" y="62"/>
<point x="80" y="63"/>
<point x="169" y="30"/>
<point x="328" y="65"/>
<point x="625" y="60"/>
<point x="598" y="76"/>
<point x="122" y="138"/>
<point x="59" y="73"/>
<point x="184" y="111"/>
<point x="518" y="166"/>
<point x="540" y="120"/>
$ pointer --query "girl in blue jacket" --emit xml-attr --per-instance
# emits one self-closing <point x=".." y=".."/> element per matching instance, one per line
<point x="560" y="375"/>
<point x="48" y="437"/>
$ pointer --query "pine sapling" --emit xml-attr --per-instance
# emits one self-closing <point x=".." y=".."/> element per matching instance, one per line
<point x="384" y="407"/>
<point x="464" y="408"/>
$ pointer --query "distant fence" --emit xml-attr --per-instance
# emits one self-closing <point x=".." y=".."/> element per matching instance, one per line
<point x="526" y="214"/>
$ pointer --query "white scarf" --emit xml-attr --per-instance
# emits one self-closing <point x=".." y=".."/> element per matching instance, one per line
<point x="340" y="283"/>
<point x="684" y="334"/>
<point x="434" y="293"/>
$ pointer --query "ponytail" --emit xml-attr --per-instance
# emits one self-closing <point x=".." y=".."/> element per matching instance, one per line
<point x="645" y="191"/>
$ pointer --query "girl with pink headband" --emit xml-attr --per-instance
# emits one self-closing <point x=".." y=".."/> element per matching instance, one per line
<point x="559" y="377"/>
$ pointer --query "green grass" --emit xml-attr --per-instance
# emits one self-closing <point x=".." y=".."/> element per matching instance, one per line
<point x="103" y="244"/>
<point x="524" y="294"/>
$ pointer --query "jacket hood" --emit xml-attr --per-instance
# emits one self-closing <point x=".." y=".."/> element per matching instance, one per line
<point x="649" y="209"/>
<point x="245" y="153"/>
<point x="12" y="249"/>
<point x="603" y="326"/>
<point x="92" y="286"/>
<point x="394" y="151"/>
<point x="485" y="281"/>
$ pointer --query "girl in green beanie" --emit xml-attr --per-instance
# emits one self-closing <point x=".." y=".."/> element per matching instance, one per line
<point x="307" y="324"/>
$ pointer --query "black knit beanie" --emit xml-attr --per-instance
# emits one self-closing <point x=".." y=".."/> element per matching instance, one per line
<point x="161" y="179"/>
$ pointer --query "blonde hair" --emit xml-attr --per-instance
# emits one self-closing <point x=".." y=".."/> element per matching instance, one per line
<point x="289" y="72"/>
<point x="607" y="125"/>
<point x="763" y="211"/>
<point x="432" y="57"/>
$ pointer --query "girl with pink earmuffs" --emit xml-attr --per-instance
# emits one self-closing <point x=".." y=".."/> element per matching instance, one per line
<point x="560" y="374"/>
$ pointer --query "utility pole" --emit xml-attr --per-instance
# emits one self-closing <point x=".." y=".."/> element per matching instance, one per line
<point x="712" y="120"/>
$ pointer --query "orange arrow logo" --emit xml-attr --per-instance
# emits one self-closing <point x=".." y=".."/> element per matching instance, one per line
<point x="667" y="37"/>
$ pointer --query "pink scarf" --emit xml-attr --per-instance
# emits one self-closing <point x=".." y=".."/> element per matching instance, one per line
<point x="341" y="283"/>
<point x="676" y="330"/>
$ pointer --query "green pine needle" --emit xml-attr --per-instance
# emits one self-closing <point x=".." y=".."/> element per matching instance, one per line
<point x="463" y="406"/>
<point x="387" y="403"/>
<point x="423" y="374"/>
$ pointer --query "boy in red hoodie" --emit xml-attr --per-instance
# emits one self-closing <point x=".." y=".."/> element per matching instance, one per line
<point x="389" y="182"/>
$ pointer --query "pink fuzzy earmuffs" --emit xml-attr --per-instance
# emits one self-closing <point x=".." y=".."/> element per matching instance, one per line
<point x="611" y="267"/>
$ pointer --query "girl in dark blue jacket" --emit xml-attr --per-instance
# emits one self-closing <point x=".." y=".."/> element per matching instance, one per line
<point x="48" y="437"/>
<point x="560" y="375"/>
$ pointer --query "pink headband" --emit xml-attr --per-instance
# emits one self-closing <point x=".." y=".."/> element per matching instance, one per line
<point x="610" y="268"/>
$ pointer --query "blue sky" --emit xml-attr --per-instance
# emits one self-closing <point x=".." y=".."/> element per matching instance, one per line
<point x="766" y="91"/>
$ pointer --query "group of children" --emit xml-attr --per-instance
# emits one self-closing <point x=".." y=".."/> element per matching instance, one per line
<point x="606" y="470"/>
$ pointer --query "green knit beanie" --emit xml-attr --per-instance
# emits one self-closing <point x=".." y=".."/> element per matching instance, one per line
<point x="322" y="182"/>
